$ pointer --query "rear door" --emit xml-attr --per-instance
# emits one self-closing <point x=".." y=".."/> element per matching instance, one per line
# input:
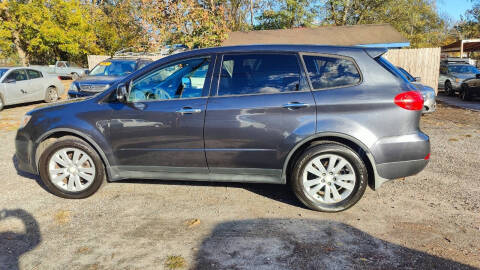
<point x="36" y="85"/>
<point x="260" y="108"/>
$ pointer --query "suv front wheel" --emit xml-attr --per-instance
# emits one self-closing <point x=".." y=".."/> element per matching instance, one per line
<point x="71" y="168"/>
<point x="329" y="177"/>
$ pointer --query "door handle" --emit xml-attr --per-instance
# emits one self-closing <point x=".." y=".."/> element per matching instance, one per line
<point x="294" y="105"/>
<point x="188" y="110"/>
<point x="23" y="91"/>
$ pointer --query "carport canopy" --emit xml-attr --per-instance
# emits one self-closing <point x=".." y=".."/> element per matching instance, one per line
<point x="466" y="45"/>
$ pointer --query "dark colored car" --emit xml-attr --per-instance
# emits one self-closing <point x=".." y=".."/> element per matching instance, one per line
<point x="103" y="75"/>
<point x="326" y="120"/>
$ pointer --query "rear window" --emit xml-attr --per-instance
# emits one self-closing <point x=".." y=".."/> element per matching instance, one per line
<point x="259" y="74"/>
<point x="327" y="72"/>
<point x="33" y="74"/>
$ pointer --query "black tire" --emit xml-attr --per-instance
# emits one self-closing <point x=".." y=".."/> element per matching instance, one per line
<point x="343" y="151"/>
<point x="449" y="89"/>
<point x="2" y="104"/>
<point x="71" y="142"/>
<point x="51" y="95"/>
<point x="465" y="94"/>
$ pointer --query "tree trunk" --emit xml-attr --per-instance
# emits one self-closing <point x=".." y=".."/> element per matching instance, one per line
<point x="21" y="53"/>
<point x="251" y="13"/>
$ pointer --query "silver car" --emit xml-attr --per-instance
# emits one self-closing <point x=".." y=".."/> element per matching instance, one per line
<point x="457" y="77"/>
<point x="21" y="85"/>
<point x="428" y="93"/>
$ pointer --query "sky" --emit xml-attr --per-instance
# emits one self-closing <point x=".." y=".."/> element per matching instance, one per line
<point x="454" y="8"/>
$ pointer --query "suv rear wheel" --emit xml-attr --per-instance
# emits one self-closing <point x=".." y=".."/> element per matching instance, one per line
<point x="70" y="168"/>
<point x="329" y="177"/>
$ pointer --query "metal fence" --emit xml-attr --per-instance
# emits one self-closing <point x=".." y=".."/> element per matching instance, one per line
<point x="423" y="63"/>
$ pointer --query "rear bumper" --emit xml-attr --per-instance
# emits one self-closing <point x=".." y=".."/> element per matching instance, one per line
<point x="401" y="156"/>
<point x="400" y="169"/>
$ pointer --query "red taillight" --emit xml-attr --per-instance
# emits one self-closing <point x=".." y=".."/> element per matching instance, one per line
<point x="427" y="157"/>
<point x="410" y="100"/>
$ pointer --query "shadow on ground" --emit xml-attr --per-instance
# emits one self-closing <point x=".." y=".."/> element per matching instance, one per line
<point x="281" y="193"/>
<point x="14" y="244"/>
<point x="306" y="244"/>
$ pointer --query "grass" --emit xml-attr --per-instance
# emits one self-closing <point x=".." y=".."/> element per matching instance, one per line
<point x="175" y="262"/>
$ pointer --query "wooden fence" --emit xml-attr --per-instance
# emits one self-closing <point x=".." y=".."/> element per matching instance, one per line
<point x="423" y="63"/>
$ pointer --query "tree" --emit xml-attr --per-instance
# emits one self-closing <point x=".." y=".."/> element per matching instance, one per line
<point x="193" y="23"/>
<point x="286" y="14"/>
<point x="42" y="31"/>
<point x="418" y="20"/>
<point x="117" y="25"/>
<point x="469" y="26"/>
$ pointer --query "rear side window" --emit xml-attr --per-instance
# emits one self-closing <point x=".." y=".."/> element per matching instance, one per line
<point x="33" y="74"/>
<point x="327" y="72"/>
<point x="259" y="74"/>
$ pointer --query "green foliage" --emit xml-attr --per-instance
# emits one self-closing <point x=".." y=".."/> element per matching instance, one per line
<point x="287" y="14"/>
<point x="417" y="20"/>
<point x="469" y="26"/>
<point x="42" y="31"/>
<point x="47" y="30"/>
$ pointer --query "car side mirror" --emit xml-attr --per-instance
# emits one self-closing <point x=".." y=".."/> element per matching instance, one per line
<point x="87" y="72"/>
<point x="122" y="93"/>
<point x="418" y="79"/>
<point x="10" y="81"/>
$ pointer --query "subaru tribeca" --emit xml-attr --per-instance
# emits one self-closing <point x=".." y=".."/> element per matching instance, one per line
<point x="326" y="120"/>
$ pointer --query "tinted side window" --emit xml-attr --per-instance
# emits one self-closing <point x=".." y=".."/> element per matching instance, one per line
<point x="33" y="74"/>
<point x="325" y="72"/>
<point x="18" y="75"/>
<point x="259" y="73"/>
<point x="183" y="79"/>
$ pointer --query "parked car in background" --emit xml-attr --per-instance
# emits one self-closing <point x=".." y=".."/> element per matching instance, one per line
<point x="103" y="75"/>
<point x="62" y="69"/>
<point x="428" y="93"/>
<point x="21" y="85"/>
<point x="459" y="77"/>
<point x="327" y="120"/>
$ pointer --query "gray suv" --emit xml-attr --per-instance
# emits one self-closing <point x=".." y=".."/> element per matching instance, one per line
<point x="328" y="121"/>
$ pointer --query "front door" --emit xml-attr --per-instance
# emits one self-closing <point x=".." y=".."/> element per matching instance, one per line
<point x="16" y="87"/>
<point x="261" y="109"/>
<point x="161" y="124"/>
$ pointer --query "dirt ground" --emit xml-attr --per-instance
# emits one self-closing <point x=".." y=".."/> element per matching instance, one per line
<point x="427" y="221"/>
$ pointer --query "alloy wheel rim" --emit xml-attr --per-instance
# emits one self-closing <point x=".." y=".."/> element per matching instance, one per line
<point x="53" y="95"/>
<point x="71" y="169"/>
<point x="329" y="178"/>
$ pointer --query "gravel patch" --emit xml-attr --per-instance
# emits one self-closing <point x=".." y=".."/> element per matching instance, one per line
<point x="427" y="221"/>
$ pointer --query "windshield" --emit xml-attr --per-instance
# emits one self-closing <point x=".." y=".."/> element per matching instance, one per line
<point x="463" y="69"/>
<point x="2" y="71"/>
<point x="113" y="68"/>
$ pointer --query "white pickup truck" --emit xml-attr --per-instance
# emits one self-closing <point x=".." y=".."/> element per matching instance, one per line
<point x="63" y="69"/>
